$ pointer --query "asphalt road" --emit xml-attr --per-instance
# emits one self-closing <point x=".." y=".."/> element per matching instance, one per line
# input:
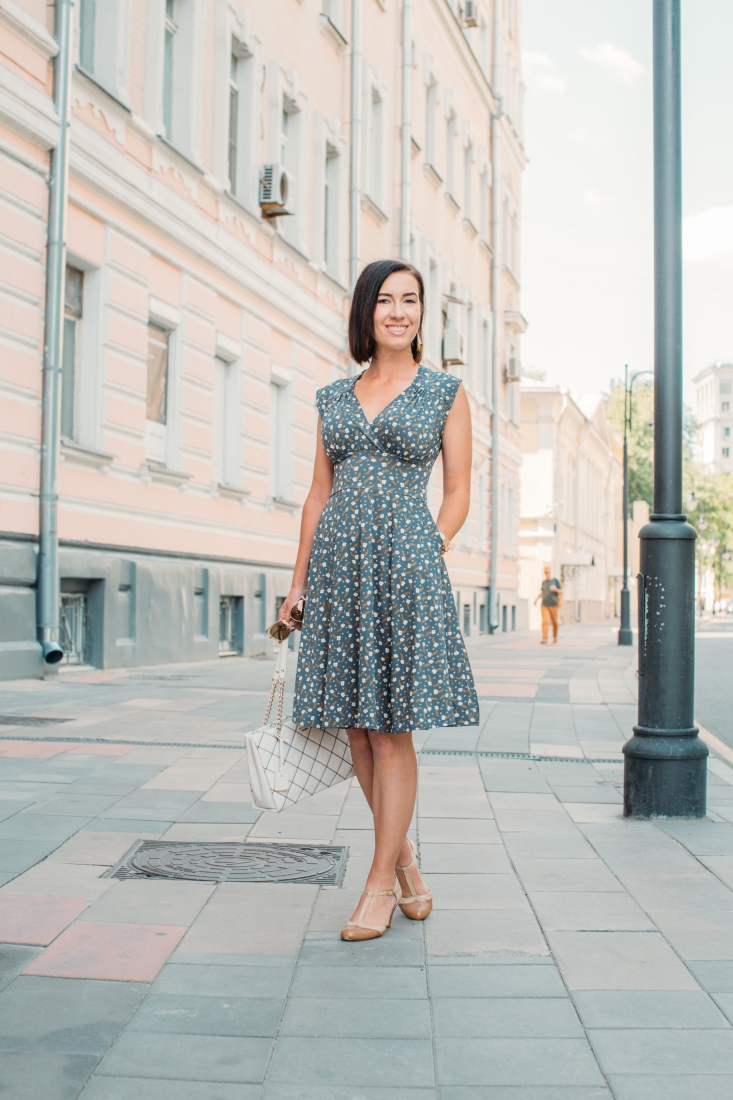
<point x="714" y="679"/>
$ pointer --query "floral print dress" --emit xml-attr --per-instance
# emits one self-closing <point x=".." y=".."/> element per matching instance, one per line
<point x="381" y="647"/>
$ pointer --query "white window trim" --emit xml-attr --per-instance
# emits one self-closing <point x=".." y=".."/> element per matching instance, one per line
<point x="283" y="84"/>
<point x="375" y="181"/>
<point x="187" y="79"/>
<point x="234" y="27"/>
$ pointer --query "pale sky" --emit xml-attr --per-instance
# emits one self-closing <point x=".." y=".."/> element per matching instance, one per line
<point x="587" y="275"/>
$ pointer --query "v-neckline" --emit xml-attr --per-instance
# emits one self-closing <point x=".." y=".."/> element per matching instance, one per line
<point x="402" y="393"/>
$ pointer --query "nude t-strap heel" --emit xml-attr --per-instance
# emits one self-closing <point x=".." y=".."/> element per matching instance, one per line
<point x="358" y="930"/>
<point x="416" y="906"/>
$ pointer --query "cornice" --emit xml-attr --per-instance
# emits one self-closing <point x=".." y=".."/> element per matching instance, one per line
<point x="27" y="111"/>
<point x="27" y="28"/>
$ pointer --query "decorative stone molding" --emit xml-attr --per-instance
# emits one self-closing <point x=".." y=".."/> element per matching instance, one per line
<point x="373" y="210"/>
<point x="27" y="111"/>
<point x="27" y="28"/>
<point x="332" y="33"/>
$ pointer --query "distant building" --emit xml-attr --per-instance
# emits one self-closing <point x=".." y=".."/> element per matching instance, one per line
<point x="571" y="505"/>
<point x="232" y="165"/>
<point x="714" y="416"/>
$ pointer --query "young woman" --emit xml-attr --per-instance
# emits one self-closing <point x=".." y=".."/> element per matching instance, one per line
<point x="381" y="652"/>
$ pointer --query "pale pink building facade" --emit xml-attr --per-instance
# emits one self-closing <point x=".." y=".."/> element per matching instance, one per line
<point x="197" y="329"/>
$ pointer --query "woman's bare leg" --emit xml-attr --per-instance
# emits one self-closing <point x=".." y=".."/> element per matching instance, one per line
<point x="386" y="767"/>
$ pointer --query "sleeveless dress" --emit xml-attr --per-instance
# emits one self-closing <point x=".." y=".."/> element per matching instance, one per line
<point x="381" y="646"/>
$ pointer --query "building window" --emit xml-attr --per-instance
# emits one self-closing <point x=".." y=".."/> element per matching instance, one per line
<point x="468" y="183"/>
<point x="725" y="407"/>
<point x="290" y="139"/>
<point x="233" y="120"/>
<point x="168" y="61"/>
<point x="157" y="393"/>
<point x="73" y="300"/>
<point x="226" y="427"/>
<point x="230" y="611"/>
<point x="73" y="628"/>
<point x="726" y="433"/>
<point x="726" y="385"/>
<point x="331" y="211"/>
<point x="450" y="156"/>
<point x="431" y="103"/>
<point x="87" y="27"/>
<point x="485" y="360"/>
<point x="376" y="142"/>
<point x="726" y="452"/>
<point x="280" y="473"/>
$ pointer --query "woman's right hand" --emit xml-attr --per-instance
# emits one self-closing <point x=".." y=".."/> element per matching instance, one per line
<point x="292" y="597"/>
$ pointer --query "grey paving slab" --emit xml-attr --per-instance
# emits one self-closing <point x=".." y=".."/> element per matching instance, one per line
<point x="482" y="931"/>
<point x="530" y="1092"/>
<point x="670" y="1010"/>
<point x="454" y="859"/>
<point x="548" y="845"/>
<point x="572" y="875"/>
<point x="403" y="946"/>
<point x="13" y="959"/>
<point x="234" y="813"/>
<point x="45" y="1076"/>
<point x="619" y="960"/>
<point x="65" y="1015"/>
<point x="456" y="830"/>
<point x="639" y="1050"/>
<point x="187" y="1057"/>
<point x="589" y="794"/>
<point x="367" y="1018"/>
<point x="253" y="918"/>
<point x="516" y="1062"/>
<point x="223" y="981"/>
<point x="136" y="1088"/>
<point x="725" y="1000"/>
<point x="383" y="983"/>
<point x="19" y="855"/>
<point x="393" y="1062"/>
<point x="142" y="826"/>
<point x="510" y="775"/>
<point x="281" y="1091"/>
<point x="74" y="805"/>
<point x="9" y="807"/>
<point x="211" y="958"/>
<point x="41" y="828"/>
<point x="702" y="838"/>
<point x="97" y="848"/>
<point x="671" y="1087"/>
<point x="499" y="980"/>
<point x="714" y="975"/>
<point x="477" y="891"/>
<point x="257" y="1017"/>
<point x="584" y="911"/>
<point x="151" y="902"/>
<point x="506" y="1017"/>
<point x="157" y="798"/>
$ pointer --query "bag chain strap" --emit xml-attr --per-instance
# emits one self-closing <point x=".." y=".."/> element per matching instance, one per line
<point x="278" y="684"/>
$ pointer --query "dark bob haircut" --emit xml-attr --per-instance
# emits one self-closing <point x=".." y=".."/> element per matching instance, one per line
<point x="362" y="344"/>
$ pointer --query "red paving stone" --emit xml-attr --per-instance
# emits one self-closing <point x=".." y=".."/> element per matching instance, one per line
<point x="34" y="919"/>
<point x="33" y="749"/>
<point x="110" y="952"/>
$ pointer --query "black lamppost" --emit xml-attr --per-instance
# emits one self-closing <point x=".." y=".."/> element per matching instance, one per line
<point x="625" y="636"/>
<point x="665" y="767"/>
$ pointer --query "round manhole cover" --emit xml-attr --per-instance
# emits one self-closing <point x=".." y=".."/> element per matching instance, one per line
<point x="228" y="862"/>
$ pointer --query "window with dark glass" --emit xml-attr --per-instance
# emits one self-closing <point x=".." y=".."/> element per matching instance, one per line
<point x="73" y="300"/>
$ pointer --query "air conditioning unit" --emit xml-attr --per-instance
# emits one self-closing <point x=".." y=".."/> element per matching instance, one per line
<point x="453" y="346"/>
<point x="470" y="13"/>
<point x="277" y="191"/>
<point x="513" y="370"/>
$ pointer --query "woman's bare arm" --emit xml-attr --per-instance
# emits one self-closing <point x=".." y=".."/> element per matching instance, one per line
<point x="457" y="455"/>
<point x="315" y="502"/>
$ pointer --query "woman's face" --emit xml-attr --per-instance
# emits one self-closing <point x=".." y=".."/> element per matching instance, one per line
<point x="397" y="313"/>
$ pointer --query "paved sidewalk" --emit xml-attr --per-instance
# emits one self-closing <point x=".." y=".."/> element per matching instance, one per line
<point x="571" y="955"/>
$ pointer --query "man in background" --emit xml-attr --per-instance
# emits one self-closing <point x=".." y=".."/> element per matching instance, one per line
<point x="550" y="595"/>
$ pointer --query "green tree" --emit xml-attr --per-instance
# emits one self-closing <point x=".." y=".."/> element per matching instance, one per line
<point x="709" y="505"/>
<point x="640" y="438"/>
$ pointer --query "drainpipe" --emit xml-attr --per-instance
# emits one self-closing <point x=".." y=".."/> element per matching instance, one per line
<point x="355" y="140"/>
<point x="48" y="543"/>
<point x="406" y="128"/>
<point x="495" y="304"/>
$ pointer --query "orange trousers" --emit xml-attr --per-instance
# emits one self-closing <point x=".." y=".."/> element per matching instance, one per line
<point x="549" y="615"/>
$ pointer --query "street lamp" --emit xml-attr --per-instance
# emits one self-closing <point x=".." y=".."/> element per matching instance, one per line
<point x="665" y="767"/>
<point x="625" y="636"/>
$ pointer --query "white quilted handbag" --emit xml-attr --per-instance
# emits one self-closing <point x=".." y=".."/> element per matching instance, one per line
<point x="288" y="761"/>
